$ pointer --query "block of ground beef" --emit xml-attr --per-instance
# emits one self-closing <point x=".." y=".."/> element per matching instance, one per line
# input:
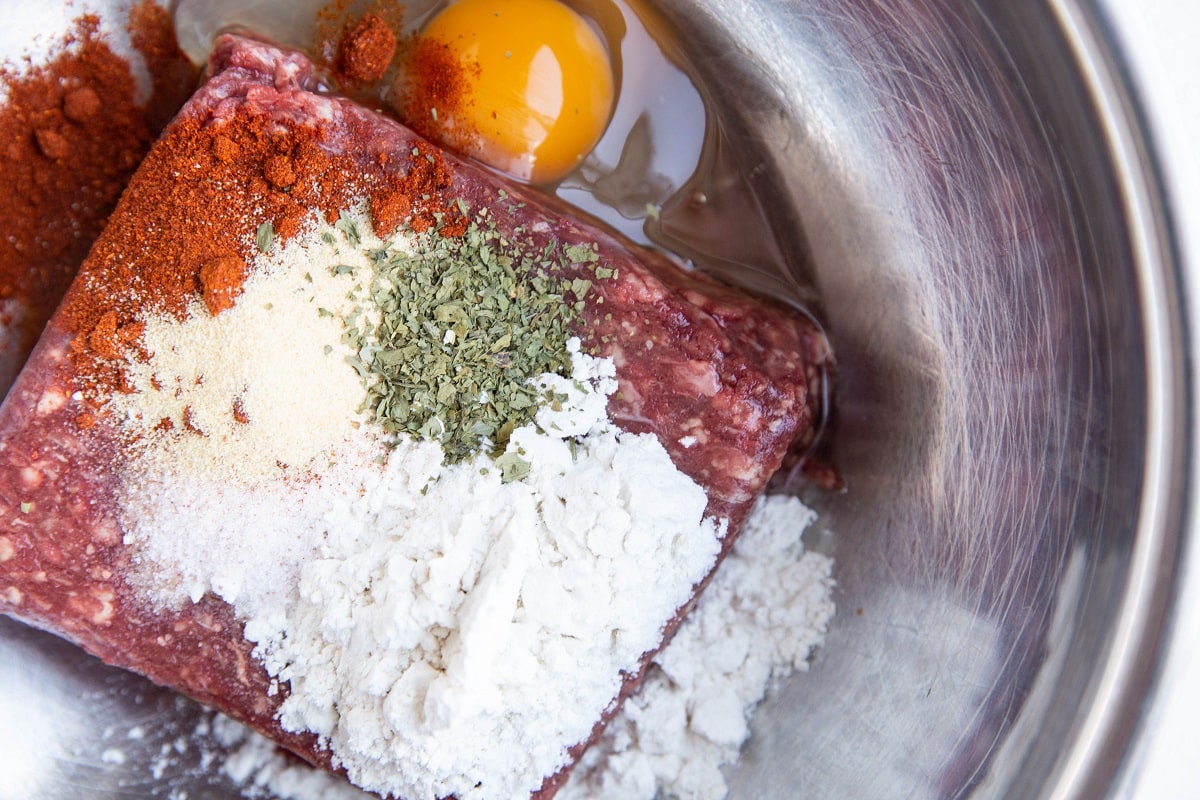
<point x="403" y="466"/>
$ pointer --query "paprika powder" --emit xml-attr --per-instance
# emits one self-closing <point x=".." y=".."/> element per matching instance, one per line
<point x="73" y="132"/>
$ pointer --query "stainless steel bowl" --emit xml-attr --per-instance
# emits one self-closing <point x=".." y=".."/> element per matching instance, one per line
<point x="982" y="218"/>
<point x="968" y="185"/>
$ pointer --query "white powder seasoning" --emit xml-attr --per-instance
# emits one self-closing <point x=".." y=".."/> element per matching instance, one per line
<point x="761" y="618"/>
<point x="260" y="387"/>
<point x="460" y="633"/>
<point x="443" y="631"/>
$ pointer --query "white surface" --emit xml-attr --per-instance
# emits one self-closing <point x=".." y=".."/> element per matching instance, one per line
<point x="1159" y="40"/>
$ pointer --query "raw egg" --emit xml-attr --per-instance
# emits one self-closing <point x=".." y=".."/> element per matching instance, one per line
<point x="525" y="86"/>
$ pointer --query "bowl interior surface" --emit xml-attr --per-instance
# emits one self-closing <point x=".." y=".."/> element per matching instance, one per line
<point x="937" y="170"/>
<point x="954" y="196"/>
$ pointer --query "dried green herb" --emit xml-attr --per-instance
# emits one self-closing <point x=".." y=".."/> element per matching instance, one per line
<point x="264" y="236"/>
<point x="512" y="467"/>
<point x="465" y="324"/>
<point x="349" y="227"/>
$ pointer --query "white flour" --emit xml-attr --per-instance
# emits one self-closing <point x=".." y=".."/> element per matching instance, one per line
<point x="433" y="622"/>
<point x="765" y="612"/>
<point x="261" y="770"/>
<point x="480" y="628"/>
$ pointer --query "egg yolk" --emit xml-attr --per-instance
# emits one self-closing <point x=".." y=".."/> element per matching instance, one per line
<point x="529" y="90"/>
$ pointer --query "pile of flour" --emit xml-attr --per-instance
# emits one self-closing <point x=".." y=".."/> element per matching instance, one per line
<point x="759" y="621"/>
<point x="437" y="621"/>
<point x="448" y="629"/>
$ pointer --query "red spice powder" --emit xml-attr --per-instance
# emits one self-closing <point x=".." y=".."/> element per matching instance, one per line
<point x="432" y="84"/>
<point x="419" y="200"/>
<point x="366" y="49"/>
<point x="239" y="412"/>
<point x="172" y="74"/>
<point x="221" y="280"/>
<point x="435" y="86"/>
<point x="173" y="241"/>
<point x="334" y="33"/>
<point x="72" y="135"/>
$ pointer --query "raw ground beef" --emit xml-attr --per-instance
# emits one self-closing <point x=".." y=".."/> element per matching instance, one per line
<point x="728" y="384"/>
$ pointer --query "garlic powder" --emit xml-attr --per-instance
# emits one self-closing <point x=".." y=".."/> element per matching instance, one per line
<point x="265" y="385"/>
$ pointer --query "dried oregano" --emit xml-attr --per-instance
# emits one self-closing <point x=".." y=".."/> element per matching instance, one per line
<point x="264" y="236"/>
<point x="464" y="324"/>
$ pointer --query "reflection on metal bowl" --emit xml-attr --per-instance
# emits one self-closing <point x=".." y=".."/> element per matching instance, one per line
<point x="965" y="185"/>
<point x="981" y="230"/>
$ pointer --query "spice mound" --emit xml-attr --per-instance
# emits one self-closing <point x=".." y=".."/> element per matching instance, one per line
<point x="74" y="128"/>
<point x="388" y="460"/>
